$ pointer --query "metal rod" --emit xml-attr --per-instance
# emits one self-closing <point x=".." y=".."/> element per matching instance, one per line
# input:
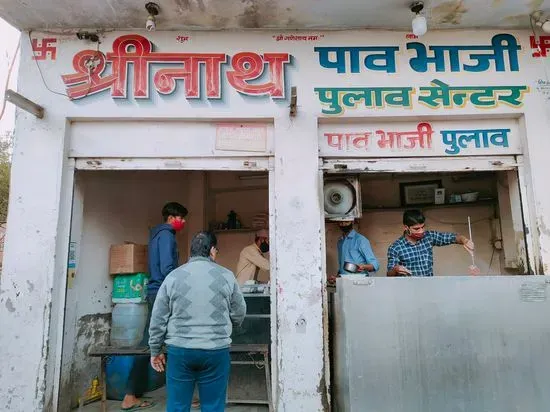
<point x="24" y="103"/>
<point x="470" y="230"/>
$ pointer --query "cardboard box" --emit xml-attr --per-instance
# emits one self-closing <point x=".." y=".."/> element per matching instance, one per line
<point x="130" y="288"/>
<point x="128" y="258"/>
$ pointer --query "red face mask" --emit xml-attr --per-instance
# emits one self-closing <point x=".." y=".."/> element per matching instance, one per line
<point x="417" y="236"/>
<point x="177" y="224"/>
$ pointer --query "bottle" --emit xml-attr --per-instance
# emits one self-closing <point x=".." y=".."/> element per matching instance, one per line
<point x="232" y="220"/>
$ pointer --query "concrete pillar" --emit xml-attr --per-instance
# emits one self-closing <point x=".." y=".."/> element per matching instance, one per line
<point x="298" y="267"/>
<point x="30" y="284"/>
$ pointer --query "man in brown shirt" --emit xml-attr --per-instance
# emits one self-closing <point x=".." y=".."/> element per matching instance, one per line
<point x="252" y="258"/>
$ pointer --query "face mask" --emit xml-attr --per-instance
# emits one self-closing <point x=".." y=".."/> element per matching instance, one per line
<point x="178" y="225"/>
<point x="416" y="236"/>
<point x="347" y="228"/>
<point x="264" y="247"/>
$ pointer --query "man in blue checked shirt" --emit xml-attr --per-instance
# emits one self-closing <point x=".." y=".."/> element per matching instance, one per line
<point x="353" y="247"/>
<point x="412" y="253"/>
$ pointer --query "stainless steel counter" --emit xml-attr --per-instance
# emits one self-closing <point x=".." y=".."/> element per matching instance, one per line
<point x="471" y="344"/>
<point x="256" y="327"/>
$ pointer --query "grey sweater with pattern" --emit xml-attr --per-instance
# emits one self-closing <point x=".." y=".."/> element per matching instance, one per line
<point x="196" y="307"/>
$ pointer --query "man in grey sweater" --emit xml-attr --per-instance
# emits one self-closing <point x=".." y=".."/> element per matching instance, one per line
<point x="194" y="313"/>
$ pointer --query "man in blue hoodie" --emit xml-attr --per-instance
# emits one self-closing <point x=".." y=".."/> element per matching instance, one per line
<point x="163" y="259"/>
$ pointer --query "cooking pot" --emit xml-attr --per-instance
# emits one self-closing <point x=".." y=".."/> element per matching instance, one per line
<point x="351" y="267"/>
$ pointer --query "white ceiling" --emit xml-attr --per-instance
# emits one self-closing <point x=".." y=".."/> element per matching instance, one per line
<point x="267" y="14"/>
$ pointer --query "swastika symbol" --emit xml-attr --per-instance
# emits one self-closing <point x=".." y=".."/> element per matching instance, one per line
<point x="540" y="47"/>
<point x="44" y="49"/>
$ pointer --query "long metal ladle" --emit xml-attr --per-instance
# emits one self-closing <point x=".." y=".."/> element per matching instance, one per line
<point x="474" y="270"/>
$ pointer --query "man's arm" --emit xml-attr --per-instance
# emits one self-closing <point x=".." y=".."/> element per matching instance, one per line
<point x="340" y="257"/>
<point x="394" y="268"/>
<point x="237" y="311"/>
<point x="257" y="260"/>
<point x="159" y="320"/>
<point x="166" y="247"/>
<point x="447" y="238"/>
<point x="442" y="238"/>
<point x="366" y="250"/>
<point x="393" y="262"/>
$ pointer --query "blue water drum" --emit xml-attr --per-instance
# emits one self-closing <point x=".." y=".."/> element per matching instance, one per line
<point x="118" y="370"/>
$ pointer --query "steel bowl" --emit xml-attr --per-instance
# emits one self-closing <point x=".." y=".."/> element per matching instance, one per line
<point x="351" y="267"/>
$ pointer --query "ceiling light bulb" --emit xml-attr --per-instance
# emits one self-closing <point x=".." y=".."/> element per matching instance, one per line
<point x="545" y="26"/>
<point x="150" y="23"/>
<point x="153" y="10"/>
<point x="539" y="19"/>
<point x="419" y="25"/>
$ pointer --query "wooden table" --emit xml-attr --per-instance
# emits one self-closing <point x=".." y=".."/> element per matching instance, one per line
<point x="262" y="349"/>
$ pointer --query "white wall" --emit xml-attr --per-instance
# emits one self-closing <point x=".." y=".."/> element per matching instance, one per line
<point x="33" y="267"/>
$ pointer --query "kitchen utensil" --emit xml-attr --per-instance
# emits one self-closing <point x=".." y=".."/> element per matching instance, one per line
<point x="469" y="197"/>
<point x="439" y="196"/>
<point x="455" y="198"/>
<point x="474" y="270"/>
<point x="351" y="267"/>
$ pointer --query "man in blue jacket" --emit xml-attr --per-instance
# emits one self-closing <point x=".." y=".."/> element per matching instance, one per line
<point x="163" y="259"/>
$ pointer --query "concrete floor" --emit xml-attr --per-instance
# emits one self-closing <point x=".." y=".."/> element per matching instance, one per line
<point x="159" y="396"/>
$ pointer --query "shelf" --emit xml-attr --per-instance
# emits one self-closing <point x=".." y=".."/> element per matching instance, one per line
<point x="483" y="202"/>
<point x="256" y="295"/>
<point x="242" y="230"/>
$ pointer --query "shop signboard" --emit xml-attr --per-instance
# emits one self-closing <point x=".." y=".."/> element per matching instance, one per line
<point x="345" y="74"/>
<point x="420" y="139"/>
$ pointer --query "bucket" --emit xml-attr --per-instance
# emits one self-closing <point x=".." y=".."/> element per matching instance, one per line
<point x="118" y="370"/>
<point x="128" y="323"/>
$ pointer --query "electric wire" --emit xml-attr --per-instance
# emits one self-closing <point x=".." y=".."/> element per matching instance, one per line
<point x="8" y="77"/>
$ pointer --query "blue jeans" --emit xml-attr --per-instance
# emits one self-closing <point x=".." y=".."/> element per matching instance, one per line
<point x="208" y="368"/>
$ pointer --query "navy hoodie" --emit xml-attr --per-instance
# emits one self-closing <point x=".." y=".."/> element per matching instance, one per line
<point x="163" y="255"/>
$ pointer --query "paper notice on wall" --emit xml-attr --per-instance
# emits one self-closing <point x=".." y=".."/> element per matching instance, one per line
<point x="243" y="137"/>
<point x="543" y="87"/>
<point x="71" y="266"/>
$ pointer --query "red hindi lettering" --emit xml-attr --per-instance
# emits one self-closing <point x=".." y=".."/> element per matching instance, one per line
<point x="422" y="136"/>
<point x="389" y="139"/>
<point x="335" y="140"/>
<point x="89" y="66"/>
<point x="342" y="141"/>
<point x="137" y="50"/>
<point x="249" y="66"/>
<point x="360" y="140"/>
<point x="165" y="79"/>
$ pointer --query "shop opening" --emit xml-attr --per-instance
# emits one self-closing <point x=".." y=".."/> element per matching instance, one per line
<point x="390" y="335"/>
<point x="449" y="201"/>
<point x="118" y="209"/>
